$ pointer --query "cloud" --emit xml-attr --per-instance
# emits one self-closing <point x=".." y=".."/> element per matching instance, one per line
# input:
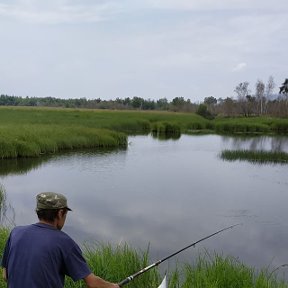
<point x="68" y="11"/>
<point x="217" y="5"/>
<point x="54" y="12"/>
<point x="150" y="48"/>
<point x="239" y="67"/>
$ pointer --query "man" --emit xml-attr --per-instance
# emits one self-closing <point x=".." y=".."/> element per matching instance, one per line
<point x="40" y="255"/>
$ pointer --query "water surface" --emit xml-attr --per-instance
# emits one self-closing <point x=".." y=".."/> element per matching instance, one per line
<point x="166" y="194"/>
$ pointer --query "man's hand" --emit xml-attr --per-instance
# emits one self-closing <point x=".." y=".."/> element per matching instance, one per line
<point x="93" y="281"/>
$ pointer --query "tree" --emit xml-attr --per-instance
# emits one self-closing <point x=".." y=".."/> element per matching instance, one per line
<point x="260" y="89"/>
<point x="270" y="87"/>
<point x="137" y="102"/>
<point x="242" y="92"/>
<point x="178" y="101"/>
<point x="284" y="87"/>
<point x="203" y="111"/>
<point x="228" y="106"/>
<point x="210" y="100"/>
<point x="162" y="104"/>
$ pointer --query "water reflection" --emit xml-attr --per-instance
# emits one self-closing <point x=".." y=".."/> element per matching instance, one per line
<point x="167" y="194"/>
<point x="166" y="136"/>
<point x="256" y="143"/>
<point x="20" y="166"/>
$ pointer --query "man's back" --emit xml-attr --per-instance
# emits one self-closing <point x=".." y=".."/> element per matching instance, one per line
<point x="39" y="255"/>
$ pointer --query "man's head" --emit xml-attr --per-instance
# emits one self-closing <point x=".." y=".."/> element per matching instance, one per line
<point x="51" y="201"/>
<point x="52" y="207"/>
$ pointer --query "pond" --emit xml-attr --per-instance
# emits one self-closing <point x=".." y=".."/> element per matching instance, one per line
<point x="165" y="195"/>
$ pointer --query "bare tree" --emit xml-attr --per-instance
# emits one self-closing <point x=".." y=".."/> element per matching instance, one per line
<point x="268" y="93"/>
<point x="260" y="89"/>
<point x="242" y="92"/>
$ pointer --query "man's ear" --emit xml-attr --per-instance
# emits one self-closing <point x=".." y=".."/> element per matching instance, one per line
<point x="63" y="212"/>
<point x="60" y="213"/>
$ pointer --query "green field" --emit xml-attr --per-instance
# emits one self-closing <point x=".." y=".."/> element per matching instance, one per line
<point x="32" y="132"/>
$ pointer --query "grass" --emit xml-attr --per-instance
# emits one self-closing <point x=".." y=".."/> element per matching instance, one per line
<point x="36" y="140"/>
<point x="253" y="125"/>
<point x="216" y="271"/>
<point x="32" y="132"/>
<point x="255" y="156"/>
<point x="209" y="271"/>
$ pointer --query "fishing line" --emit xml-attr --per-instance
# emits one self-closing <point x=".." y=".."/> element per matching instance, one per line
<point x="131" y="277"/>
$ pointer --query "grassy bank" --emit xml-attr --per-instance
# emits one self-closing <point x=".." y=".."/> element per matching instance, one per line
<point x="35" y="140"/>
<point x="116" y="263"/>
<point x="255" y="156"/>
<point x="32" y="132"/>
<point x="253" y="125"/>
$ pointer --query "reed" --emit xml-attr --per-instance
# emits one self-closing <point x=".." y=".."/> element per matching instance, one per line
<point x="166" y="130"/>
<point x="37" y="140"/>
<point x="31" y="132"/>
<point x="253" y="125"/>
<point x="209" y="270"/>
<point x="255" y="156"/>
<point x="216" y="271"/>
<point x="3" y="209"/>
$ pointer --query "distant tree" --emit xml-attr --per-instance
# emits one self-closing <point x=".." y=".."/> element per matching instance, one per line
<point x="127" y="101"/>
<point x="242" y="92"/>
<point x="178" y="101"/>
<point x="270" y="87"/>
<point x="260" y="89"/>
<point x="148" y="104"/>
<point x="204" y="112"/>
<point x="177" y="104"/>
<point x="268" y="94"/>
<point x="210" y="100"/>
<point x="229" y="106"/>
<point x="284" y="87"/>
<point x="251" y="107"/>
<point x="162" y="104"/>
<point x="137" y="102"/>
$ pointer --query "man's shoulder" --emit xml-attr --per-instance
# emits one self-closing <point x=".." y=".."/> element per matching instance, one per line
<point x="21" y="228"/>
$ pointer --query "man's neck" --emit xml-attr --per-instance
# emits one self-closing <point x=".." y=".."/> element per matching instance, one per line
<point x="54" y="224"/>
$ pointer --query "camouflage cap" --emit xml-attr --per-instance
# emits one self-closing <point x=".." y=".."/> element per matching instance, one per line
<point x="51" y="200"/>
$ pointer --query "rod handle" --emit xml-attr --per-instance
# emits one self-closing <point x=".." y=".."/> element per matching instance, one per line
<point x="124" y="282"/>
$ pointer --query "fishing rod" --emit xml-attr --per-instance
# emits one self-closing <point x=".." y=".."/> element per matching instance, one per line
<point x="131" y="277"/>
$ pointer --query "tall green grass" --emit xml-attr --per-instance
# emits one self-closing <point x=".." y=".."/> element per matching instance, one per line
<point x="36" y="140"/>
<point x="3" y="205"/>
<point x="255" y="156"/>
<point x="5" y="209"/>
<point x="208" y="271"/>
<point x="31" y="132"/>
<point x="253" y="125"/>
<point x="216" y="271"/>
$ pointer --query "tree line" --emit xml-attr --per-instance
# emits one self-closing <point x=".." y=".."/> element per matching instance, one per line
<point x="262" y="102"/>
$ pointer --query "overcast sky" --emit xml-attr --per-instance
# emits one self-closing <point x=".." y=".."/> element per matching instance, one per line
<point x="149" y="48"/>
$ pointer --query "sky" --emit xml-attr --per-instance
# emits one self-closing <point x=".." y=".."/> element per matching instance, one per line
<point x="150" y="48"/>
